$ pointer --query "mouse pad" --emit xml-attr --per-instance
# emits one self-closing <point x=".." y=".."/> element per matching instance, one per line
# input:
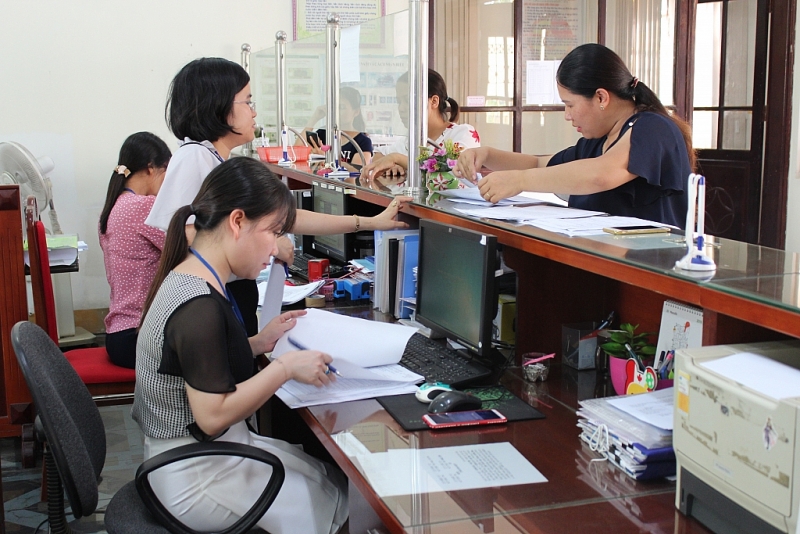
<point x="408" y="411"/>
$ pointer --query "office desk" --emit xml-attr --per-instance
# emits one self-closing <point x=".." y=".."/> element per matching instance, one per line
<point x="753" y="296"/>
<point x="579" y="495"/>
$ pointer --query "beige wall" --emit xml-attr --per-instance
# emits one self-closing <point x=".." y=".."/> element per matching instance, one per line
<point x="80" y="76"/>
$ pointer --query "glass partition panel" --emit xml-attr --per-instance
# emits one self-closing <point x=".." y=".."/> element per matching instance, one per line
<point x="305" y="84"/>
<point x="546" y="132"/>
<point x="496" y="128"/>
<point x="305" y="81"/>
<point x="263" y="84"/>
<point x="374" y="55"/>
<point x="475" y="50"/>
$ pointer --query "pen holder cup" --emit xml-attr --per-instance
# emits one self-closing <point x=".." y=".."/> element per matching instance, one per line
<point x="618" y="371"/>
<point x="535" y="371"/>
<point x="579" y="344"/>
<point x="616" y="367"/>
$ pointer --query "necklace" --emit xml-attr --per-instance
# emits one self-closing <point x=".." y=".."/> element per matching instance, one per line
<point x="224" y="289"/>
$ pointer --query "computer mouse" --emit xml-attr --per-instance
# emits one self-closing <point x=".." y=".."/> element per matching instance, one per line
<point x="429" y="390"/>
<point x="454" y="401"/>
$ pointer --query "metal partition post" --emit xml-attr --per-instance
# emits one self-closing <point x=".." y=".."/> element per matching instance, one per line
<point x="280" y="69"/>
<point x="247" y="148"/>
<point x="418" y="91"/>
<point x="246" y="57"/>
<point x="332" y="91"/>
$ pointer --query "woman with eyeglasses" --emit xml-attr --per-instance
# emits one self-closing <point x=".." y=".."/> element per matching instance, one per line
<point x="210" y="108"/>
<point x="131" y="249"/>
<point x="634" y="158"/>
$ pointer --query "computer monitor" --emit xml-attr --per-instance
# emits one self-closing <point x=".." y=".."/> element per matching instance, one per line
<point x="330" y="198"/>
<point x="456" y="284"/>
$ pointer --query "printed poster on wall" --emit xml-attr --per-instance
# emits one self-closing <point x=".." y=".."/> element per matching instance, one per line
<point x="310" y="16"/>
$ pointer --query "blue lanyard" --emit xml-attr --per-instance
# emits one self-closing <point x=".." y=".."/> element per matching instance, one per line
<point x="129" y="190"/>
<point x="224" y="289"/>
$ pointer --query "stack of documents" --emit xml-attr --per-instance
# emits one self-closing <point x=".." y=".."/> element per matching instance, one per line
<point x="590" y="225"/>
<point x="62" y="249"/>
<point x="633" y="432"/>
<point x="365" y="355"/>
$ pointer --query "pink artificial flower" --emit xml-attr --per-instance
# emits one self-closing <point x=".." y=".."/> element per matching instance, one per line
<point x="429" y="165"/>
<point x="452" y="163"/>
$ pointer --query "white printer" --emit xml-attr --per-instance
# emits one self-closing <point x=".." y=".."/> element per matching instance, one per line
<point x="736" y="447"/>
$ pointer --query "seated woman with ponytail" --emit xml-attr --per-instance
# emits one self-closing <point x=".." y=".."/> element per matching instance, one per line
<point x="634" y="158"/>
<point x="442" y="126"/>
<point x="131" y="249"/>
<point x="194" y="369"/>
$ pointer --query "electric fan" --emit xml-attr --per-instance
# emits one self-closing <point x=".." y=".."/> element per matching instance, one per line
<point x="18" y="166"/>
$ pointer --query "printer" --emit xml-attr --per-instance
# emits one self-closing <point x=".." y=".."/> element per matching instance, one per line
<point x="737" y="447"/>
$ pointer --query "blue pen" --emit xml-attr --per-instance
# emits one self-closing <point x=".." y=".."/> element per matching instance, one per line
<point x="300" y="346"/>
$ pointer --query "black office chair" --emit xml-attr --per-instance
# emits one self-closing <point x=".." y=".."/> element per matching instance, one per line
<point x="69" y="424"/>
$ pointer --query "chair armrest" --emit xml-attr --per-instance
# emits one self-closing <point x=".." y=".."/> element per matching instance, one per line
<point x="212" y="448"/>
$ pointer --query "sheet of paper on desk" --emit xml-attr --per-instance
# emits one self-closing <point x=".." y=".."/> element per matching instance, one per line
<point x="418" y="471"/>
<point x="589" y="225"/>
<point x="528" y="213"/>
<point x="297" y="395"/>
<point x="764" y="375"/>
<point x="655" y="408"/>
<point x="358" y="341"/>
<point x="474" y="194"/>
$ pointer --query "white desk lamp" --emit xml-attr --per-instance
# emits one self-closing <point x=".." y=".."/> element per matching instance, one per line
<point x="696" y="259"/>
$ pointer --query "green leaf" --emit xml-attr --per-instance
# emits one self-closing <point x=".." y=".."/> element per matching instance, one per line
<point x="648" y="350"/>
<point x="620" y="337"/>
<point x="613" y="347"/>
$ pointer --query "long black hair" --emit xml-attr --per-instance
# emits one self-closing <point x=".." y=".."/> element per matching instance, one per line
<point x="437" y="87"/>
<point x="353" y="98"/>
<point x="139" y="151"/>
<point x="590" y="67"/>
<point x="239" y="183"/>
<point x="201" y="98"/>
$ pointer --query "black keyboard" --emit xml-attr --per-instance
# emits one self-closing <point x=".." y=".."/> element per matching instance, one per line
<point x="438" y="363"/>
<point x="300" y="266"/>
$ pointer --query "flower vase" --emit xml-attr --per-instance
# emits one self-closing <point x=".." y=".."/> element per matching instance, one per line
<point x="439" y="181"/>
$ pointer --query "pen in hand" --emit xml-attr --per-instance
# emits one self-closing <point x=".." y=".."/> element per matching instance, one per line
<point x="300" y="346"/>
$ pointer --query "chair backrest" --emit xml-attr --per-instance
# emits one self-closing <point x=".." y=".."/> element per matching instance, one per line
<point x="69" y="417"/>
<point x="44" y="304"/>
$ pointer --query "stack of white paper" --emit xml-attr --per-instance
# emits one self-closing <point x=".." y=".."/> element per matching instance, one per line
<point x="365" y="354"/>
<point x="540" y="212"/>
<point x="586" y="226"/>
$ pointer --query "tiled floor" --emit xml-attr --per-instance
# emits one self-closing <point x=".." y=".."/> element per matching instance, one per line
<point x="21" y="487"/>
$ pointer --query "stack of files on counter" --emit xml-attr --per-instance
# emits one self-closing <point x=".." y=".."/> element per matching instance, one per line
<point x="365" y="355"/>
<point x="528" y="213"/>
<point x="588" y="226"/>
<point x="396" y="255"/>
<point x="633" y="432"/>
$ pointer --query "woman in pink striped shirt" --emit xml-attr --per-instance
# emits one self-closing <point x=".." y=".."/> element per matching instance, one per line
<point x="131" y="249"/>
